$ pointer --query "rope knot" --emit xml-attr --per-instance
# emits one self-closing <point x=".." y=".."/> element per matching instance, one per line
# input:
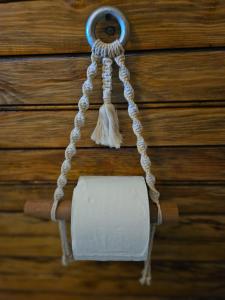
<point x="120" y="60"/>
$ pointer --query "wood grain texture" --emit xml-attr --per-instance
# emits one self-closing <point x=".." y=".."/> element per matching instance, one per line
<point x="112" y="278"/>
<point x="191" y="199"/>
<point x="168" y="164"/>
<point x="165" y="127"/>
<point x="52" y="265"/>
<point x="116" y="287"/>
<point x="169" y="249"/>
<point x="189" y="228"/>
<point x="159" y="24"/>
<point x="165" y="77"/>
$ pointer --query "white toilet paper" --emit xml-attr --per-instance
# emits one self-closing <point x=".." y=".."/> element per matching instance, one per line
<point x="110" y="218"/>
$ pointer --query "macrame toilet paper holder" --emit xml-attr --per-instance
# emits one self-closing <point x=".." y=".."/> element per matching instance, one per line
<point x="106" y="133"/>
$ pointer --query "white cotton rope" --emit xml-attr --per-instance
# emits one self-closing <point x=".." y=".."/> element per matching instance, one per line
<point x="75" y="134"/>
<point x="107" y="52"/>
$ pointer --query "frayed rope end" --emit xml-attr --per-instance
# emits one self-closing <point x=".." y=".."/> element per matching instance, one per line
<point x="145" y="281"/>
<point x="107" y="129"/>
<point x="146" y="277"/>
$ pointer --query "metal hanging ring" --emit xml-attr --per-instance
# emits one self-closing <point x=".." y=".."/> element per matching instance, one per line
<point x="101" y="12"/>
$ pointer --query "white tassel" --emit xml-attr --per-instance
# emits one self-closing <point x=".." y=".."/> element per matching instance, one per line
<point x="107" y="129"/>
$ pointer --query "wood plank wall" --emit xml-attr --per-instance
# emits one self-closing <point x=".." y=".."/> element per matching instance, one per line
<point x="176" y="55"/>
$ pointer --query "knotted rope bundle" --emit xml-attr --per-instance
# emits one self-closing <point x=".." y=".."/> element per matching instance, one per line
<point x="106" y="133"/>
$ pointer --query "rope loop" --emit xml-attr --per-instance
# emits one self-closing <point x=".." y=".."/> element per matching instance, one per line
<point x="110" y="50"/>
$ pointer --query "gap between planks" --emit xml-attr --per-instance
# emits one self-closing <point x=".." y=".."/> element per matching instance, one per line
<point x="119" y="106"/>
<point x="128" y="52"/>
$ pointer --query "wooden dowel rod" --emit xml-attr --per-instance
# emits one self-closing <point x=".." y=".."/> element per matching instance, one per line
<point x="42" y="209"/>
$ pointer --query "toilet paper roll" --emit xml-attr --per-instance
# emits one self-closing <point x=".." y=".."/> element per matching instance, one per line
<point x="110" y="218"/>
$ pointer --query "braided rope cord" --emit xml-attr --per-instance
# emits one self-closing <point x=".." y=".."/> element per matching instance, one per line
<point x="106" y="89"/>
<point x="124" y="76"/>
<point x="70" y="151"/>
<point x="107" y="79"/>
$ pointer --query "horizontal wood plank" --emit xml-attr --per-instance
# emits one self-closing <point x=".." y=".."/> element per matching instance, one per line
<point x="168" y="164"/>
<point x="165" y="77"/>
<point x="189" y="228"/>
<point x="61" y="28"/>
<point x="49" y="246"/>
<point x="191" y="199"/>
<point x="52" y="266"/>
<point x="92" y="277"/>
<point x="162" y="127"/>
<point x="119" y="287"/>
<point x="198" y="278"/>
